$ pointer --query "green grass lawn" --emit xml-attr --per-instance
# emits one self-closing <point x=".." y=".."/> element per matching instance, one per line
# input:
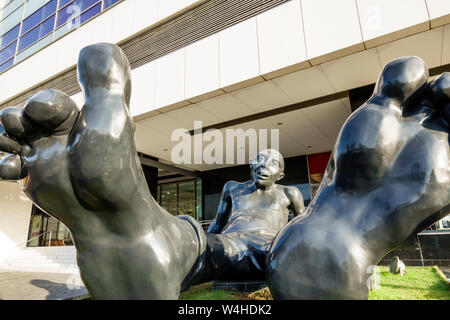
<point x="419" y="283"/>
<point x="205" y="292"/>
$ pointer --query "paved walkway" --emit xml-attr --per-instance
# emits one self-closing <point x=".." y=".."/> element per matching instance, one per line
<point x="40" y="286"/>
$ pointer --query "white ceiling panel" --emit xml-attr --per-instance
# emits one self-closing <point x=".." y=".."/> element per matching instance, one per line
<point x="305" y="84"/>
<point x="329" y="117"/>
<point x="427" y="45"/>
<point x="226" y="107"/>
<point x="263" y="96"/>
<point x="191" y="113"/>
<point x="353" y="71"/>
<point x="446" y="45"/>
<point x="152" y="142"/>
<point x="301" y="130"/>
<point x="162" y="123"/>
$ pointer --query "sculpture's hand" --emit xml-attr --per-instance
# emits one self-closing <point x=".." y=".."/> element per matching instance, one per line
<point x="389" y="178"/>
<point x="82" y="168"/>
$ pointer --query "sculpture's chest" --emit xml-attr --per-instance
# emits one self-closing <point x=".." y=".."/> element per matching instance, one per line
<point x="272" y="200"/>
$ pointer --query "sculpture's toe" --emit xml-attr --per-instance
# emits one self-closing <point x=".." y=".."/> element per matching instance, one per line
<point x="52" y="109"/>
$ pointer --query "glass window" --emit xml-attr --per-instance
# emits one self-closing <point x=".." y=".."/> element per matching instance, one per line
<point x="33" y="48"/>
<point x="38" y="32"/>
<point x="74" y="10"/>
<point x="32" y="6"/>
<point x="39" y="22"/>
<point x="186" y="198"/>
<point x="108" y="3"/>
<point x="9" y="36"/>
<point x="182" y="198"/>
<point x="11" y="21"/>
<point x="62" y="3"/>
<point x="66" y="14"/>
<point x="169" y="198"/>
<point x="11" y="8"/>
<point x="8" y="52"/>
<point x="198" y="199"/>
<point x="47" y="231"/>
<point x="91" y="12"/>
<point x="6" y="65"/>
<point x="38" y="16"/>
<point x="36" y="227"/>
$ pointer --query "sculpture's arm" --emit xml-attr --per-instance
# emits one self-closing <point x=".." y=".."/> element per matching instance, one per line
<point x="223" y="211"/>
<point x="295" y="197"/>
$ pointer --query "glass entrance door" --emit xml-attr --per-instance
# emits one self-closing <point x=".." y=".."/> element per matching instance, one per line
<point x="182" y="198"/>
<point x="46" y="231"/>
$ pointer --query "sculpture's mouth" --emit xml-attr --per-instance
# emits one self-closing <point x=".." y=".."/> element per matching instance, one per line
<point x="262" y="176"/>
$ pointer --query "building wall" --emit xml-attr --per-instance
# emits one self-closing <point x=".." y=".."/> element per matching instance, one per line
<point x="15" y="212"/>
<point x="295" y="35"/>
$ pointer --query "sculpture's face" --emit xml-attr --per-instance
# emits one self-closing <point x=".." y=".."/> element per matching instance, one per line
<point x="267" y="168"/>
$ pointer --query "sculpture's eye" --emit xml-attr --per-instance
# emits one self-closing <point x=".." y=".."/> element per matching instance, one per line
<point x="260" y="158"/>
<point x="275" y="164"/>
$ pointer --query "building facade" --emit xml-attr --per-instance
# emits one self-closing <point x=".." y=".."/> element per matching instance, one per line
<point x="299" y="67"/>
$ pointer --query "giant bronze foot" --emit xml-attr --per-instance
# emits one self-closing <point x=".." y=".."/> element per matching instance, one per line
<point x="387" y="180"/>
<point x="83" y="169"/>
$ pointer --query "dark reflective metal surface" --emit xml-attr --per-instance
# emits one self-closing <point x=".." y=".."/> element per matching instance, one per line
<point x="249" y="216"/>
<point x="83" y="169"/>
<point x="388" y="179"/>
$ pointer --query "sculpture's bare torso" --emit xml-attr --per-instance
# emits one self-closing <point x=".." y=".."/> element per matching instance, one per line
<point x="252" y="209"/>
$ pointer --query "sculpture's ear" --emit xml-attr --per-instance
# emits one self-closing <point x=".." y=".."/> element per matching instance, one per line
<point x="281" y="176"/>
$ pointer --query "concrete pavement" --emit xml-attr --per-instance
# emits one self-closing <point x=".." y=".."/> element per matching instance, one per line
<point x="40" y="286"/>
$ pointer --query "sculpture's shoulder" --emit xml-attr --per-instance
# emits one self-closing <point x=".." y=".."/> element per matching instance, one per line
<point x="234" y="185"/>
<point x="292" y="192"/>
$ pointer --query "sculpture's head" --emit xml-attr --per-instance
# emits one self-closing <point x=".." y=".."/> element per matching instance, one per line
<point x="104" y="65"/>
<point x="267" y="168"/>
<point x="401" y="78"/>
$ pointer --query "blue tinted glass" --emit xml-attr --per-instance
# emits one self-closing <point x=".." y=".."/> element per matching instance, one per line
<point x="8" y="52"/>
<point x="62" y="3"/>
<point x="9" y="36"/>
<point x="47" y="26"/>
<point x="91" y="12"/>
<point x="38" y="16"/>
<point x="109" y="3"/>
<point x="6" y="65"/>
<point x="49" y="9"/>
<point x="31" y="21"/>
<point x="65" y="14"/>
<point x="29" y="38"/>
<point x="43" y="29"/>
<point x="84" y="4"/>
<point x="73" y="10"/>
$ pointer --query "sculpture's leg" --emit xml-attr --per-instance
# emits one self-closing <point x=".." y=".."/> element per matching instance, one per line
<point x="83" y="169"/>
<point x="388" y="178"/>
<point x="142" y="251"/>
<point x="227" y="258"/>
